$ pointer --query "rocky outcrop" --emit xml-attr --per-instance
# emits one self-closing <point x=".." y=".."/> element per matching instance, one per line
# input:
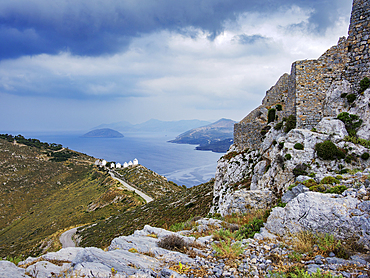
<point x="245" y="178"/>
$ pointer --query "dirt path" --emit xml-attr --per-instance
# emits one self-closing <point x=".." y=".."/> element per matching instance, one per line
<point x="140" y="193"/>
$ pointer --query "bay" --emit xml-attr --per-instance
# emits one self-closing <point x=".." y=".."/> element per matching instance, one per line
<point x="180" y="163"/>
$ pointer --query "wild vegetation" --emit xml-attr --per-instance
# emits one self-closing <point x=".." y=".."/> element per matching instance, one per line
<point x="148" y="181"/>
<point x="173" y="208"/>
<point x="41" y="197"/>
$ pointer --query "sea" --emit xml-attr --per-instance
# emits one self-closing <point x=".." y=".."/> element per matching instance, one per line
<point x="179" y="163"/>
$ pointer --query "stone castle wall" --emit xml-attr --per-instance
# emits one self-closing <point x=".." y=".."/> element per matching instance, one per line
<point x="313" y="79"/>
<point x="303" y="92"/>
<point x="358" y="42"/>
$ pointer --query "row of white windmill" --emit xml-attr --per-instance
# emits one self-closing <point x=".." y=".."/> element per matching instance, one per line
<point x="103" y="162"/>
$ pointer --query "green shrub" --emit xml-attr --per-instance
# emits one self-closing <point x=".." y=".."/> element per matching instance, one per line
<point x="228" y="249"/>
<point x="288" y="156"/>
<point x="365" y="156"/>
<point x="298" y="146"/>
<point x="290" y="123"/>
<point x="339" y="189"/>
<point x="343" y="95"/>
<point x="271" y="115"/>
<point x="327" y="150"/>
<point x="278" y="126"/>
<point x="279" y="107"/>
<point x="274" y="142"/>
<point x="356" y="140"/>
<point x="329" y="180"/>
<point x="300" y="170"/>
<point x="312" y="175"/>
<point x="250" y="229"/>
<point x="351" y="122"/>
<point x="317" y="188"/>
<point x="281" y="145"/>
<point x="351" y="98"/>
<point x="309" y="183"/>
<point x="364" y="84"/>
<point x="265" y="130"/>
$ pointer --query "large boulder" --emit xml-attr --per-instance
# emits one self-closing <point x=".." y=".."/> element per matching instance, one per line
<point x="8" y="269"/>
<point x="333" y="127"/>
<point x="244" y="201"/>
<point x="344" y="217"/>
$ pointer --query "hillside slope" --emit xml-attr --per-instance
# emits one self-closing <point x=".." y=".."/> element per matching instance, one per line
<point x="40" y="197"/>
<point x="163" y="212"/>
<point x="147" y="181"/>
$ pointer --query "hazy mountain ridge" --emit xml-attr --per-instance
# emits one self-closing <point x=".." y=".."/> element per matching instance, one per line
<point x="154" y="125"/>
<point x="216" y="136"/>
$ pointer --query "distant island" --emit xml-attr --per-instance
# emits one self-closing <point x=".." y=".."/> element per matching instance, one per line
<point x="103" y="133"/>
<point x="216" y="137"/>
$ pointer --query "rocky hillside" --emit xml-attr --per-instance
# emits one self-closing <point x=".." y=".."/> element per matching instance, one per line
<point x="216" y="137"/>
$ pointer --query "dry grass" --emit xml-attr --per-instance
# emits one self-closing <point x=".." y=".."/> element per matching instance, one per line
<point x="304" y="241"/>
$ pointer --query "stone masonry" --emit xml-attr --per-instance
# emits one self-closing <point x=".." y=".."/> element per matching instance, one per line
<point x="302" y="92"/>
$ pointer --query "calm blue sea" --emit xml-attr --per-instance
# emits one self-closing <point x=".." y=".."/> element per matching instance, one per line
<point x="180" y="163"/>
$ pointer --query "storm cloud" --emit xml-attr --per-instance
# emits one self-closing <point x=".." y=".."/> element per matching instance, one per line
<point x="96" y="27"/>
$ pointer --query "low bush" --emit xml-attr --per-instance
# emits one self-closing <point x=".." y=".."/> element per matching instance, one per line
<point x="281" y="145"/>
<point x="227" y="249"/>
<point x="364" y="84"/>
<point x="279" y="125"/>
<point x="329" y="180"/>
<point x="356" y="140"/>
<point x="288" y="156"/>
<point x="327" y="150"/>
<point x="173" y="243"/>
<point x="351" y="98"/>
<point x="300" y="170"/>
<point x="279" y="107"/>
<point x="365" y="156"/>
<point x="223" y="234"/>
<point x="291" y="123"/>
<point x="343" y="95"/>
<point x="339" y="189"/>
<point x="309" y="183"/>
<point x="298" y="146"/>
<point x="351" y="122"/>
<point x="250" y="229"/>
<point x="312" y="175"/>
<point x="265" y="130"/>
<point x="318" y="188"/>
<point x="271" y="115"/>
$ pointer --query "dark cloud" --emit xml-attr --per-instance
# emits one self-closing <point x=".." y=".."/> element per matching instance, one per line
<point x="95" y="27"/>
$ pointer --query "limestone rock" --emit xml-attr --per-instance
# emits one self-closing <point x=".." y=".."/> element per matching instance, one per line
<point x="8" y="269"/>
<point x="362" y="109"/>
<point x="291" y="194"/>
<point x="334" y="104"/>
<point x="243" y="201"/>
<point x="321" y="213"/>
<point x="332" y="126"/>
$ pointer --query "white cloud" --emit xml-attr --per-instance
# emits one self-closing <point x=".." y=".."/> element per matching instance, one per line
<point x="169" y="75"/>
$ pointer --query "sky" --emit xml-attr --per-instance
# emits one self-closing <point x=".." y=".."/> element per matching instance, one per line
<point x="76" y="64"/>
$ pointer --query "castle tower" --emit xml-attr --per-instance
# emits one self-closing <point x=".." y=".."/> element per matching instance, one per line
<point x="358" y="42"/>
